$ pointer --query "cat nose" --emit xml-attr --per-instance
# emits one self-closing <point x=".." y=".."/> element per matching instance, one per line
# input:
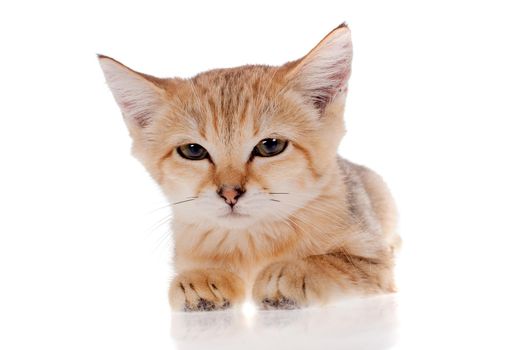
<point x="230" y="193"/>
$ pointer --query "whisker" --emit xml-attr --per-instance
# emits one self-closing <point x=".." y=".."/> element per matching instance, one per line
<point x="184" y="201"/>
<point x="168" y="205"/>
<point x="162" y="240"/>
<point x="278" y="193"/>
<point x="274" y="200"/>
<point x="154" y="211"/>
<point x="161" y="222"/>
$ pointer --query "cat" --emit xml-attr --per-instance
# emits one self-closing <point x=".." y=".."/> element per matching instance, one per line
<point x="262" y="205"/>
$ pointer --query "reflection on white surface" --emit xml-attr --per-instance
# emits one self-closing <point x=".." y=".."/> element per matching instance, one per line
<point x="365" y="323"/>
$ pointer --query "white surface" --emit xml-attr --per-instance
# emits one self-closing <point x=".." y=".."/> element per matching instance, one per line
<point x="358" y="324"/>
<point x="436" y="105"/>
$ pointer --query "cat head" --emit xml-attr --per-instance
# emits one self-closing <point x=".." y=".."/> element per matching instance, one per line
<point x="237" y="146"/>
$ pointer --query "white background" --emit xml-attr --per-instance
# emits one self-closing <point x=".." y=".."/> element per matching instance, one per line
<point x="436" y="105"/>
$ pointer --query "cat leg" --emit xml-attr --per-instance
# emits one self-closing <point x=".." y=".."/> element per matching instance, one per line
<point x="205" y="290"/>
<point x="319" y="279"/>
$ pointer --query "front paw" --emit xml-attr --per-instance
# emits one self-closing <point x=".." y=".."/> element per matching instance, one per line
<point x="205" y="290"/>
<point x="282" y="285"/>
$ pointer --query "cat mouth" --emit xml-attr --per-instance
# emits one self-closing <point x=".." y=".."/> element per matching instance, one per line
<point x="234" y="214"/>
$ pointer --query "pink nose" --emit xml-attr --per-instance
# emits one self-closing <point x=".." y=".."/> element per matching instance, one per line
<point x="230" y="193"/>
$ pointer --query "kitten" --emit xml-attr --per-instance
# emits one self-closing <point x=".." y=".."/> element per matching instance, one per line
<point x="262" y="204"/>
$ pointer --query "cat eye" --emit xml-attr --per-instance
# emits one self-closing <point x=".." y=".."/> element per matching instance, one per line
<point x="269" y="147"/>
<point x="192" y="151"/>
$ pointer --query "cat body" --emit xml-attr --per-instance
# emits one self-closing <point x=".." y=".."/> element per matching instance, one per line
<point x="262" y="205"/>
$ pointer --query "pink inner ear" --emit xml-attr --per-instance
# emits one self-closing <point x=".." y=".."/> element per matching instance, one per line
<point x="143" y="119"/>
<point x="140" y="116"/>
<point x="335" y="84"/>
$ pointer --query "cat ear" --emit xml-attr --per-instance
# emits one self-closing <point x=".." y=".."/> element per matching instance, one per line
<point x="323" y="73"/>
<point x="138" y="95"/>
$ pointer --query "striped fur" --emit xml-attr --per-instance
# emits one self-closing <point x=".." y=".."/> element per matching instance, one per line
<point x="310" y="227"/>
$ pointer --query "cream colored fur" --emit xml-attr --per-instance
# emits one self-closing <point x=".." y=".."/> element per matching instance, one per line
<point x="310" y="226"/>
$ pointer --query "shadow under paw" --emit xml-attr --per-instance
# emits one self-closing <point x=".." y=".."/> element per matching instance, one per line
<point x="206" y="305"/>
<point x="281" y="303"/>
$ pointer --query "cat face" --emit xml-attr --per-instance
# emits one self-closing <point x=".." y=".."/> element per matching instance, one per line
<point x="236" y="147"/>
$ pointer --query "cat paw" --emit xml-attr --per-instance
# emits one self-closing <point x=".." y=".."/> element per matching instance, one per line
<point x="282" y="286"/>
<point x="205" y="290"/>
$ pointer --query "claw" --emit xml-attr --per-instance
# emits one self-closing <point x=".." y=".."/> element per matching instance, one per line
<point x="282" y="303"/>
<point x="206" y="305"/>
